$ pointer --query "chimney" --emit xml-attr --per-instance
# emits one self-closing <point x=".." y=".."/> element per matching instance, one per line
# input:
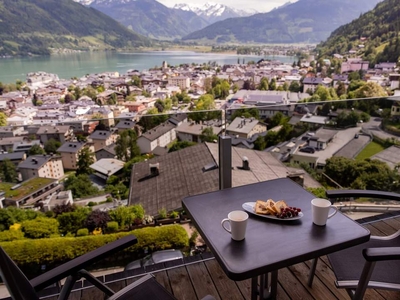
<point x="246" y="164"/>
<point x="154" y="169"/>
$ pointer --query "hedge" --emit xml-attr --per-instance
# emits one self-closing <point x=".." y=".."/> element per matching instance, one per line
<point x="59" y="250"/>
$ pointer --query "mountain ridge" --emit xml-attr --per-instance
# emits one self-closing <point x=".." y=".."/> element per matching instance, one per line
<point x="304" y="21"/>
<point x="34" y="26"/>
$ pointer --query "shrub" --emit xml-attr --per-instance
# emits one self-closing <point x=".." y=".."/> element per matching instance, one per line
<point x="82" y="232"/>
<point x="174" y="215"/>
<point x="122" y="215"/>
<point x="97" y="219"/>
<point x="63" y="208"/>
<point x="72" y="221"/>
<point x="112" y="226"/>
<point x="91" y="203"/>
<point x="39" y="228"/>
<point x="162" y="213"/>
<point x="11" y="235"/>
<point x="109" y="199"/>
<point x="193" y="238"/>
<point x="59" y="250"/>
<point x="138" y="211"/>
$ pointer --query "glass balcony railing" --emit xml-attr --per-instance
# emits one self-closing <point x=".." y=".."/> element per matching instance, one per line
<point x="349" y="143"/>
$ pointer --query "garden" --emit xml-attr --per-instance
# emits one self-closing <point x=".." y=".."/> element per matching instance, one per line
<point x="33" y="238"/>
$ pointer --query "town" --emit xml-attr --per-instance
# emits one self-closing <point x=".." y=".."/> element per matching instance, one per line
<point x="110" y="152"/>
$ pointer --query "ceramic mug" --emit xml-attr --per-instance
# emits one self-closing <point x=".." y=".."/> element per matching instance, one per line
<point x="237" y="220"/>
<point x="320" y="211"/>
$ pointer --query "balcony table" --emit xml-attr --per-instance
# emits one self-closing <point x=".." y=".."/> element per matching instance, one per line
<point x="269" y="244"/>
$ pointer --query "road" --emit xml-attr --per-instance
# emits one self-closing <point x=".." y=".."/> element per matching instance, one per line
<point x="373" y="127"/>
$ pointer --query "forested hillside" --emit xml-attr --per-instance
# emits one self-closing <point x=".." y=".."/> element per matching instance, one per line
<point x="32" y="26"/>
<point x="375" y="35"/>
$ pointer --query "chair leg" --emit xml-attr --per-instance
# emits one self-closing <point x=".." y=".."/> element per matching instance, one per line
<point x="97" y="283"/>
<point x="364" y="279"/>
<point x="68" y="285"/>
<point x="312" y="271"/>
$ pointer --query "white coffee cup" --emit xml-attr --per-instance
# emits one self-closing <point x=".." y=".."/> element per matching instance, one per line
<point x="320" y="211"/>
<point x="238" y="223"/>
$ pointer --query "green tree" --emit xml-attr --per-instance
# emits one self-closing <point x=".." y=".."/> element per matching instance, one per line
<point x="272" y="85"/>
<point x="80" y="186"/>
<point x="137" y="81"/>
<point x="36" y="150"/>
<point x="40" y="228"/>
<point x="246" y="113"/>
<point x="180" y="145"/>
<point x="264" y="84"/>
<point x="341" y="89"/>
<point x="8" y="171"/>
<point x="207" y="135"/>
<point x="260" y="143"/>
<point x="205" y="102"/>
<point x="3" y="119"/>
<point x="126" y="147"/>
<point x="51" y="146"/>
<point x="354" y="76"/>
<point x="370" y="89"/>
<point x="295" y="87"/>
<point x="71" y="222"/>
<point x="97" y="219"/>
<point x="85" y="159"/>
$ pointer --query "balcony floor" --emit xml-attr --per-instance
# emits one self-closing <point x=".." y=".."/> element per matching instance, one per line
<point x="202" y="275"/>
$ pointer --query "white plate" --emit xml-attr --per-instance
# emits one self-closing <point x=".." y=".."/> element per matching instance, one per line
<point x="249" y="207"/>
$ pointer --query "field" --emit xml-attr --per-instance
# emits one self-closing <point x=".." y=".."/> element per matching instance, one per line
<point x="371" y="149"/>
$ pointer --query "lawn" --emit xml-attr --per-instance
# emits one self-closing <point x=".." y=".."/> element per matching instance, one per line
<point x="26" y="188"/>
<point x="371" y="149"/>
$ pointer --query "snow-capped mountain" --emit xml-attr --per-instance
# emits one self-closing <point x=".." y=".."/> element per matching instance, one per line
<point x="213" y="12"/>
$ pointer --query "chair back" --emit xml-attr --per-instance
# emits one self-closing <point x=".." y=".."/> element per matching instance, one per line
<point x="16" y="282"/>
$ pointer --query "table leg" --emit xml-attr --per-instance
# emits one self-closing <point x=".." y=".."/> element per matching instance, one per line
<point x="312" y="271"/>
<point x="262" y="288"/>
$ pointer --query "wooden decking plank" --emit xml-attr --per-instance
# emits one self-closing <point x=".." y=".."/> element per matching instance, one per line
<point x="389" y="295"/>
<point x="201" y="280"/>
<point x="227" y="289"/>
<point x="181" y="285"/>
<point x="374" y="230"/>
<point x="326" y="275"/>
<point x="318" y="290"/>
<point x="384" y="227"/>
<point x="292" y="286"/>
<point x="163" y="279"/>
<point x="245" y="288"/>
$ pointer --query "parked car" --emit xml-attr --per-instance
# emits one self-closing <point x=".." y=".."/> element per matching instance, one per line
<point x="155" y="258"/>
<point x="308" y="149"/>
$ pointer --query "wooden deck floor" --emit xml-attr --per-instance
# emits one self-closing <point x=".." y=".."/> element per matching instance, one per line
<point x="202" y="275"/>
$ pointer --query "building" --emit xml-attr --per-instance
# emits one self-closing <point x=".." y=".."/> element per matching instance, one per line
<point x="69" y="154"/>
<point x="191" y="132"/>
<point x="106" y="152"/>
<point x="45" y="166"/>
<point x="29" y="192"/>
<point x="354" y="64"/>
<point x="61" y="133"/>
<point x="158" y="137"/>
<point x="102" y="138"/>
<point x="182" y="81"/>
<point x="245" y="127"/>
<point x="14" y="157"/>
<point x="106" y="167"/>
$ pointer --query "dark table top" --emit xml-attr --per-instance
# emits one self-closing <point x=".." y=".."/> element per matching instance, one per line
<point x="269" y="244"/>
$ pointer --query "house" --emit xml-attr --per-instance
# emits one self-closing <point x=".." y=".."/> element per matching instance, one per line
<point x="106" y="152"/>
<point x="15" y="158"/>
<point x="395" y="110"/>
<point x="182" y="81"/>
<point x="110" y="96"/>
<point x="46" y="166"/>
<point x="61" y="133"/>
<point x="69" y="154"/>
<point x="133" y="107"/>
<point x="158" y="137"/>
<point x="60" y="198"/>
<point x="102" y="138"/>
<point x="7" y="144"/>
<point x="106" y="167"/>
<point x="25" y="145"/>
<point x="191" y="132"/>
<point x="311" y="83"/>
<point x="11" y="131"/>
<point x="124" y="125"/>
<point x="29" y="192"/>
<point x="245" y="127"/>
<point x="194" y="170"/>
<point x="354" y="64"/>
<point x="103" y="113"/>
<point x="394" y="80"/>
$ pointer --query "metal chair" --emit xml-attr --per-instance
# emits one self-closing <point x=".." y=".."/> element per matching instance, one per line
<point x="375" y="264"/>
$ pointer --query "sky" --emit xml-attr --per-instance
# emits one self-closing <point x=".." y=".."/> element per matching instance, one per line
<point x="258" y="5"/>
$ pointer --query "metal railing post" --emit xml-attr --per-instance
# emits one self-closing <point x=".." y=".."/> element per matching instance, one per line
<point x="225" y="161"/>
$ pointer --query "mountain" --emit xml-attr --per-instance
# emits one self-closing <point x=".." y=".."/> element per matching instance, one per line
<point x="305" y="21"/>
<point x="377" y="31"/>
<point x="149" y="17"/>
<point x="213" y="12"/>
<point x="33" y="26"/>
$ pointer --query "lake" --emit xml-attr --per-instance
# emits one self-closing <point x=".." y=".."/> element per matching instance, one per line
<point x="79" y="64"/>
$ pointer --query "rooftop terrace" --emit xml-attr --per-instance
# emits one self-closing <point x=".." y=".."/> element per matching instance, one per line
<point x="25" y="188"/>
